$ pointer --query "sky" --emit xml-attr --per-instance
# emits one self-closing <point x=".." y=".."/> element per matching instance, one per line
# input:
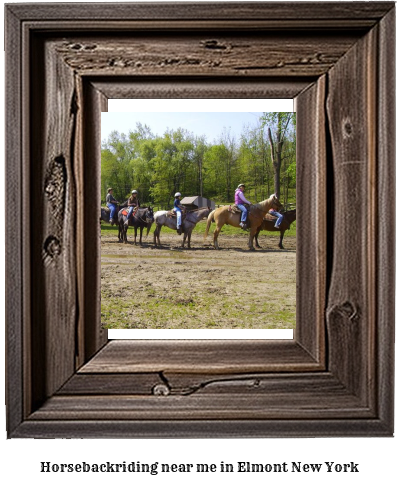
<point x="201" y="117"/>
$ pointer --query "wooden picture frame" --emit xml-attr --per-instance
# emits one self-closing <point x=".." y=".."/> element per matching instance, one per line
<point x="336" y="377"/>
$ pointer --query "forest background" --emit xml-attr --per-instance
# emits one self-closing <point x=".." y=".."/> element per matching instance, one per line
<point x="263" y="156"/>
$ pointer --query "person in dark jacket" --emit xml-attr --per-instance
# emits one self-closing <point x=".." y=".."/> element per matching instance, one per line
<point x="132" y="203"/>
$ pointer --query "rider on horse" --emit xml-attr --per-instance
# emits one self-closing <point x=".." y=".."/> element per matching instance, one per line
<point x="278" y="215"/>
<point x="133" y="203"/>
<point x="240" y="201"/>
<point x="178" y="209"/>
<point x="112" y="205"/>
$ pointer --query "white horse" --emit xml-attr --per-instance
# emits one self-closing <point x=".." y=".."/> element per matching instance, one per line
<point x="190" y="219"/>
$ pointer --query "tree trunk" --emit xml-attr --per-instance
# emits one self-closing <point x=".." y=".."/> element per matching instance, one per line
<point x="276" y="160"/>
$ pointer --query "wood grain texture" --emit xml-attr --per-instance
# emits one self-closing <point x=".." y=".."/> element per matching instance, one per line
<point x="191" y="428"/>
<point x="15" y="258"/>
<point x="70" y="383"/>
<point x="200" y="356"/>
<point x="386" y="216"/>
<point x="185" y="384"/>
<point x="361" y="12"/>
<point x="94" y="335"/>
<point x="351" y="109"/>
<point x="241" y="54"/>
<point x="136" y="87"/>
<point x="204" y="407"/>
<point x="312" y="218"/>
<point x="53" y="197"/>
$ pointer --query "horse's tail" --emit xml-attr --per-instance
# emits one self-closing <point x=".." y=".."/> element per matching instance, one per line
<point x="209" y="222"/>
<point x="148" y="229"/>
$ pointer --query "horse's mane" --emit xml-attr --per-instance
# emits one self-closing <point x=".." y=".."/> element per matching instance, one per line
<point x="261" y="205"/>
<point x="198" y="209"/>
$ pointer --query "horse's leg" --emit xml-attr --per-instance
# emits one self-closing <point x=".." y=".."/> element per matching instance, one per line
<point x="281" y="239"/>
<point x="158" y="234"/>
<point x="251" y="239"/>
<point x="256" y="240"/>
<point x="135" y="235"/>
<point x="189" y="238"/>
<point x="215" y="236"/>
<point x="155" y="236"/>
<point x="121" y="232"/>
<point x="141" y="235"/>
<point x="125" y="227"/>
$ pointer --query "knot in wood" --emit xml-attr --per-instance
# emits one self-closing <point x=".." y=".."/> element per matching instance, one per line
<point x="161" y="390"/>
<point x="213" y="44"/>
<point x="349" y="310"/>
<point x="51" y="248"/>
<point x="347" y="128"/>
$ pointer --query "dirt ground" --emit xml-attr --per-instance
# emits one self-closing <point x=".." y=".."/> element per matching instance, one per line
<point x="144" y="287"/>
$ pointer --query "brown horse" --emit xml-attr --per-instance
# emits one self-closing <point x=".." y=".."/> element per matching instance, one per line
<point x="269" y="222"/>
<point x="224" y="216"/>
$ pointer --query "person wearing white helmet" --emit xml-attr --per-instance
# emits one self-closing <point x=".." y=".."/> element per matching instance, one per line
<point x="178" y="209"/>
<point x="240" y="200"/>
<point x="132" y="203"/>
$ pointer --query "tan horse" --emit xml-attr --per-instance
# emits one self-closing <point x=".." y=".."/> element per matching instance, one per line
<point x="223" y="216"/>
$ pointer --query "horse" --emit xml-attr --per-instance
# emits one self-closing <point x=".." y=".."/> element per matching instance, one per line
<point x="224" y="216"/>
<point x="106" y="212"/>
<point x="141" y="219"/>
<point x="192" y="217"/>
<point x="268" y="225"/>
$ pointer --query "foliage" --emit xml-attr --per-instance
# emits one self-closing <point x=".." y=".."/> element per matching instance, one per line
<point x="281" y="129"/>
<point x="158" y="166"/>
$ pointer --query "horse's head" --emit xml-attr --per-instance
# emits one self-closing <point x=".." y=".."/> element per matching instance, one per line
<point x="290" y="215"/>
<point x="149" y="215"/>
<point x="275" y="202"/>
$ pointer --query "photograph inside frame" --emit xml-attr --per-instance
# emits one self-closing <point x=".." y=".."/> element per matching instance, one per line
<point x="198" y="220"/>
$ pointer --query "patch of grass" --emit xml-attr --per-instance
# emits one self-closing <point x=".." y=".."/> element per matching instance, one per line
<point x="109" y="231"/>
<point x="196" y="311"/>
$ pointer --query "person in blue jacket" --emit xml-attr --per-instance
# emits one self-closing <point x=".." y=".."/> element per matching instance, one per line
<point x="178" y="209"/>
<point x="112" y="205"/>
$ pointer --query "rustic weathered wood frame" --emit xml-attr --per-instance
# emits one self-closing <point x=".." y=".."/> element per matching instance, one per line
<point x="336" y="376"/>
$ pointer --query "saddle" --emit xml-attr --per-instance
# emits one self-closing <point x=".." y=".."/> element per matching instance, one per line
<point x="125" y="211"/>
<point x="172" y="214"/>
<point x="234" y="208"/>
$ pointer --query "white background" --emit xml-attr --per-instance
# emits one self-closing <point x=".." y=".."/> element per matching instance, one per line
<point x="20" y="459"/>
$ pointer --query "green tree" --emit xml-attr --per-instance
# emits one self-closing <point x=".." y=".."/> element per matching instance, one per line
<point x="279" y="126"/>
